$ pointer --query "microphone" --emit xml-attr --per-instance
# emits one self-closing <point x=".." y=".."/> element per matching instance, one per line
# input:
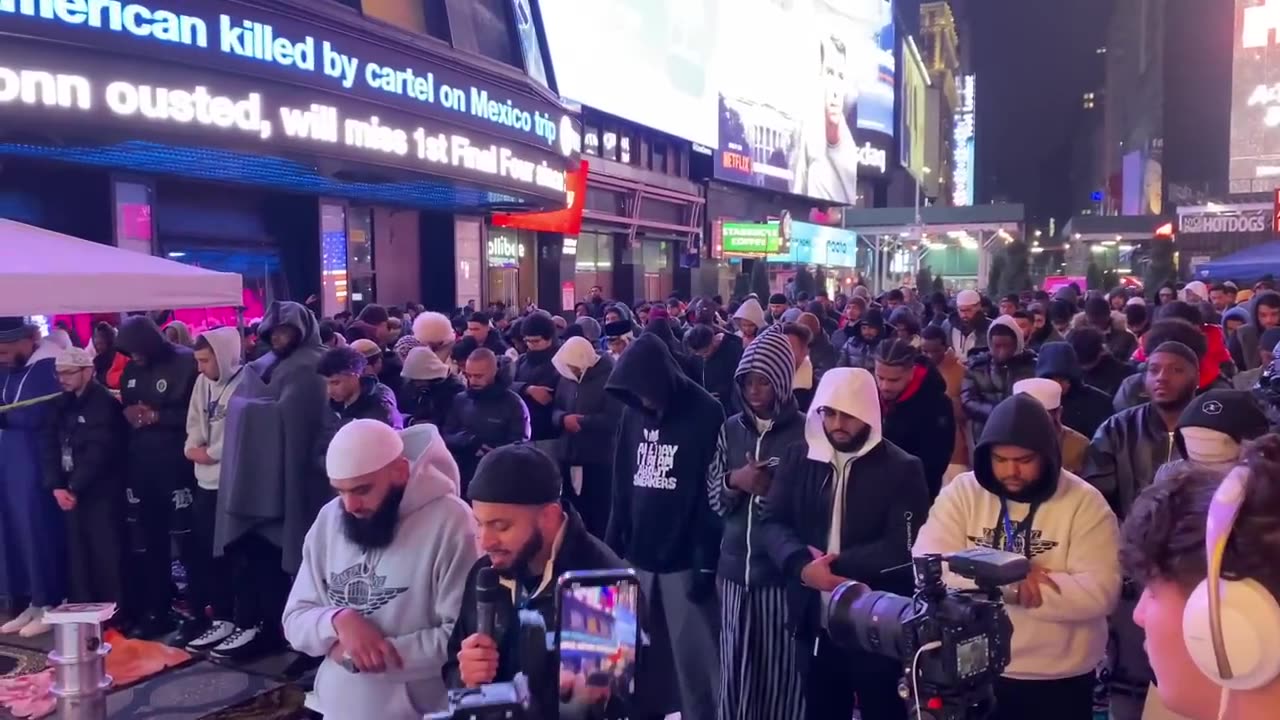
<point x="488" y="592"/>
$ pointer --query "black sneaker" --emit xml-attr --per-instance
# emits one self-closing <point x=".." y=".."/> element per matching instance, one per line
<point x="214" y="635"/>
<point x="247" y="644"/>
<point x="189" y="630"/>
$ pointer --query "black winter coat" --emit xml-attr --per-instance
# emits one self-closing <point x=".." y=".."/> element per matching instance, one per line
<point x="886" y="503"/>
<point x="600" y="411"/>
<point x="375" y="402"/>
<point x="986" y="384"/>
<point x="1085" y="408"/>
<point x="92" y="432"/>
<point x="923" y="424"/>
<point x="428" y="401"/>
<point x="1125" y="454"/>
<point x="535" y="369"/>
<point x="493" y="417"/>
<point x="164" y="384"/>
<point x="718" y="371"/>
<point x="1108" y="374"/>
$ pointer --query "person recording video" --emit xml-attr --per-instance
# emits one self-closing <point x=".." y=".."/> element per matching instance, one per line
<point x="1215" y="655"/>
<point x="530" y="537"/>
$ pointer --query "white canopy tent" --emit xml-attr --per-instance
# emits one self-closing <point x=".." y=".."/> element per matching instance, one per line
<point x="47" y="273"/>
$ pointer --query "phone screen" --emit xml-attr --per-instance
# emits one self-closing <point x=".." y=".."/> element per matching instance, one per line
<point x="599" y="633"/>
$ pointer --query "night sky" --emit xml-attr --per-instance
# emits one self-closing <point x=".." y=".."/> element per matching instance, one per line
<point x="1033" y="59"/>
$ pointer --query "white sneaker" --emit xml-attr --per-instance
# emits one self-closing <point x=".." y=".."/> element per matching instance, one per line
<point x="37" y="626"/>
<point x="16" y="624"/>
<point x="217" y="633"/>
<point x="238" y="639"/>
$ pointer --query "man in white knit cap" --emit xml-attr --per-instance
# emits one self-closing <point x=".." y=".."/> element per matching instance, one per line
<point x="966" y="329"/>
<point x="436" y="332"/>
<point x="383" y="573"/>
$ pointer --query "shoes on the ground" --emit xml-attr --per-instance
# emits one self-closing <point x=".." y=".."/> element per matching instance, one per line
<point x="23" y="619"/>
<point x="189" y="630"/>
<point x="247" y="644"/>
<point x="214" y="635"/>
<point x="37" y="626"/>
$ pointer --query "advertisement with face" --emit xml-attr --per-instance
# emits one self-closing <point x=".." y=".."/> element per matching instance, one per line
<point x="812" y="114"/>
<point x="1255" y="97"/>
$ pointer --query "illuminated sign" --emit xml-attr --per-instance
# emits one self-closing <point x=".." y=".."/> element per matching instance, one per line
<point x="820" y="245"/>
<point x="504" y="251"/>
<point x="963" y="142"/>
<point x="1244" y="221"/>
<point x="750" y="238"/>
<point x="1254" y="164"/>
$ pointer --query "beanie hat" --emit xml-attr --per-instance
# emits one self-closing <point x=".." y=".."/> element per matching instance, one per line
<point x="777" y="299"/>
<point x="1172" y="347"/>
<point x="538" y="324"/>
<point x="362" y="447"/>
<point x="968" y="298"/>
<point x="617" y="328"/>
<point x="516" y="475"/>
<point x="404" y="345"/>
<point x="367" y="348"/>
<point x="13" y="329"/>
<point x="1233" y="413"/>
<point x="771" y="356"/>
<point x="423" y="364"/>
<point x="73" y="358"/>
<point x="432" y="328"/>
<point x="874" y="317"/>
<point x="590" y="328"/>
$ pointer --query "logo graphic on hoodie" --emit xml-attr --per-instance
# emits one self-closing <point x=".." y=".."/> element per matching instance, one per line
<point x="653" y="461"/>
<point x="993" y="538"/>
<point x="361" y="589"/>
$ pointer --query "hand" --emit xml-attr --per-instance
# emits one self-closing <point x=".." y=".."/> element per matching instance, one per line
<point x="751" y="478"/>
<point x="817" y="574"/>
<point x="199" y="456"/>
<point x="364" y="643"/>
<point x="478" y="660"/>
<point x="573" y="423"/>
<point x="133" y="414"/>
<point x="66" y="499"/>
<point x="1030" y="592"/>
<point x="540" y="394"/>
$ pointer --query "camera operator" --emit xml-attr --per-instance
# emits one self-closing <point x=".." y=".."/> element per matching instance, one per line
<point x="530" y="537"/>
<point x="1019" y="499"/>
<point x="847" y="505"/>
<point x="1166" y="548"/>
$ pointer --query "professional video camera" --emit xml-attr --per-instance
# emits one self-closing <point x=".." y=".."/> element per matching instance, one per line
<point x="953" y="644"/>
<point x="592" y="646"/>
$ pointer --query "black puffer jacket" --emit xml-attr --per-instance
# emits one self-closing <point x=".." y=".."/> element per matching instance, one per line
<point x="375" y="402"/>
<point x="492" y="417"/>
<point x="92" y="429"/>
<point x="1084" y="407"/>
<point x="718" y="370"/>
<point x="1125" y="454"/>
<point x="534" y="368"/>
<point x="986" y="384"/>
<point x="922" y="423"/>
<point x="428" y="401"/>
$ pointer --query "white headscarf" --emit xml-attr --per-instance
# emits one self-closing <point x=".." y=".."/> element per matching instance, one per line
<point x="576" y="355"/>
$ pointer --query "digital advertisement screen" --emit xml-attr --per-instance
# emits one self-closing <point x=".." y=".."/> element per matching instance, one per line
<point x="643" y="60"/>
<point x="964" y="137"/>
<point x="806" y="94"/>
<point x="599" y="634"/>
<point x="915" y="98"/>
<point x="1255" y="97"/>
<point x="820" y="245"/>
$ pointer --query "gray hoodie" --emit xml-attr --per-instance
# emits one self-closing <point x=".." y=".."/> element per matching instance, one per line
<point x="411" y="590"/>
<point x="207" y="414"/>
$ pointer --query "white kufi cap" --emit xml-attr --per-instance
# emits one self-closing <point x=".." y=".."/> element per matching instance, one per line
<point x="1047" y="391"/>
<point x="362" y="447"/>
<point x="968" y="298"/>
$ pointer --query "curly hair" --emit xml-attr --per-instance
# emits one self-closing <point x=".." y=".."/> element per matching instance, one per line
<point x="1164" y="535"/>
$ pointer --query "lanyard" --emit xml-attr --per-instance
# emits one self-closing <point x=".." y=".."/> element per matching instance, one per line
<point x="210" y="405"/>
<point x="1009" y="538"/>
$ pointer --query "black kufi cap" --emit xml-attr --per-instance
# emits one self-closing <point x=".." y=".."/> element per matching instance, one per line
<point x="516" y="475"/>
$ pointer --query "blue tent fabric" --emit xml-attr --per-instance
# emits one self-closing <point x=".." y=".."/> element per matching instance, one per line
<point x="1245" y="266"/>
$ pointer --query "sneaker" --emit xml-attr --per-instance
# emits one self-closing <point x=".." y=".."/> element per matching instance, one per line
<point x="16" y="624"/>
<point x="217" y="633"/>
<point x="189" y="630"/>
<point x="37" y="626"/>
<point x="246" y="644"/>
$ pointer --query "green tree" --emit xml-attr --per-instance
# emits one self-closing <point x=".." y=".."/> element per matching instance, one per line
<point x="1015" y="271"/>
<point x="994" y="273"/>
<point x="1161" y="269"/>
<point x="760" y="280"/>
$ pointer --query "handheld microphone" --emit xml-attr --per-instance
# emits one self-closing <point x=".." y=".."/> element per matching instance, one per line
<point x="487" y="595"/>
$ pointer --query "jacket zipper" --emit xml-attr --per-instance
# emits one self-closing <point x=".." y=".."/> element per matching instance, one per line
<point x="1168" y="458"/>
<point x="751" y="501"/>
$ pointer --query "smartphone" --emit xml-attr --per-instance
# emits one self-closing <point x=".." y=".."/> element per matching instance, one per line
<point x="598" y="634"/>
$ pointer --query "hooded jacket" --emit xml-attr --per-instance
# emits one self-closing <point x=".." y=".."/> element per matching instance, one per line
<point x="922" y="423"/>
<point x="962" y="343"/>
<point x="1084" y="407"/>
<point x="866" y="506"/>
<point x="1059" y="521"/>
<point x="411" y="591"/>
<point x="744" y="558"/>
<point x="534" y="368"/>
<point x="986" y="384"/>
<point x="751" y="311"/>
<point x="719" y="370"/>
<point x="272" y="480"/>
<point x="860" y="353"/>
<point x="493" y="416"/>
<point x="207" y="414"/>
<point x="1244" y="344"/>
<point x="661" y="519"/>
<point x="164" y="384"/>
<point x="1125" y="454"/>
<point x="585" y="396"/>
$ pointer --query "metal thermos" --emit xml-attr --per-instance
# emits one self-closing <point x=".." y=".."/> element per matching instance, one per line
<point x="80" y="678"/>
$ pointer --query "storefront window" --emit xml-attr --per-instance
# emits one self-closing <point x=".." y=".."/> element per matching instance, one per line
<point x="610" y="143"/>
<point x="656" y="269"/>
<point x="659" y="163"/>
<point x="134" y="228"/>
<point x="360" y="268"/>
<point x="467" y="249"/>
<point x="512" y="271"/>
<point x="592" y="264"/>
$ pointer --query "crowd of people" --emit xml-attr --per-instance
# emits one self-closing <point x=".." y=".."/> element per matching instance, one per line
<point x="335" y="485"/>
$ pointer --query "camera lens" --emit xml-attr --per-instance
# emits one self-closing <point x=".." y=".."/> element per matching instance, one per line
<point x="871" y="620"/>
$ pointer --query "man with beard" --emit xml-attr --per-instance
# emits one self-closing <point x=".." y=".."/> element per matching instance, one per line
<point x="966" y="328"/>
<point x="1019" y="499"/>
<point x="1123" y="459"/>
<point x="917" y="413"/>
<point x="530" y="538"/>
<point x="595" y="302"/>
<point x="847" y="505"/>
<point x="271" y="485"/>
<point x="662" y="521"/>
<point x="536" y="378"/>
<point x="487" y="416"/>
<point x="859" y="350"/>
<point x="777" y="306"/>
<point x="382" y="575"/>
<point x="31" y="552"/>
<point x="991" y="374"/>
<point x="156" y="392"/>
<point x="752" y="588"/>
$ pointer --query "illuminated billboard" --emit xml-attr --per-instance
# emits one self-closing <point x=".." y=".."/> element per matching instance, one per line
<point x="964" y="142"/>
<point x="1255" y="97"/>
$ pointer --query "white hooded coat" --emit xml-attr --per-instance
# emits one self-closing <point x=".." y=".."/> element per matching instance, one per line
<point x="411" y="590"/>
<point x="207" y="413"/>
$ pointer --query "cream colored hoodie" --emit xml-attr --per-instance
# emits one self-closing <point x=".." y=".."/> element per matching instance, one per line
<point x="207" y="413"/>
